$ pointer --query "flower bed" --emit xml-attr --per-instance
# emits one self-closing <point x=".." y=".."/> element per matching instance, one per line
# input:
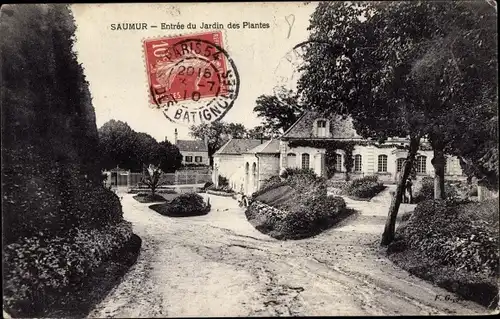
<point x="184" y="205"/>
<point x="39" y="270"/>
<point x="453" y="244"/>
<point x="148" y="198"/>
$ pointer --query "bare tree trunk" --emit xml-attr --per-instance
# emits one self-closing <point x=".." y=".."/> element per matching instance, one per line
<point x="390" y="224"/>
<point x="438" y="162"/>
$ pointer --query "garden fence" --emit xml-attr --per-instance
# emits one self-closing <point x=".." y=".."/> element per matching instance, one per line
<point x="182" y="177"/>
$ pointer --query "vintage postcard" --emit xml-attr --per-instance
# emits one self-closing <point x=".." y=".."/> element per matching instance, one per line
<point x="249" y="159"/>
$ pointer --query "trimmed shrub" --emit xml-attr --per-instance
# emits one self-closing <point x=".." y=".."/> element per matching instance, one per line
<point x="47" y="267"/>
<point x="460" y="236"/>
<point x="189" y="204"/>
<point x="364" y="187"/>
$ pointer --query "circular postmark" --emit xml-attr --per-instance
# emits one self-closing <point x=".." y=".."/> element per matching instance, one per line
<point x="193" y="80"/>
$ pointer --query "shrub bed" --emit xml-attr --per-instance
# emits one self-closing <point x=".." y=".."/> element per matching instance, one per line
<point x="453" y="244"/>
<point x="426" y="190"/>
<point x="184" y="205"/>
<point x="363" y="188"/>
<point x="297" y="224"/>
<point x="294" y="208"/>
<point x="148" y="198"/>
<point x="40" y="269"/>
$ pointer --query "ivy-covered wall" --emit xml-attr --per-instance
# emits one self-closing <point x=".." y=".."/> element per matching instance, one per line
<point x="332" y="147"/>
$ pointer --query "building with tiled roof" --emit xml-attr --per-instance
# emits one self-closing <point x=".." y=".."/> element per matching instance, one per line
<point x="238" y="146"/>
<point x="194" y="152"/>
<point x="248" y="163"/>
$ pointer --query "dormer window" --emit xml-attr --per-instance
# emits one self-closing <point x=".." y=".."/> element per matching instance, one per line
<point x="321" y="128"/>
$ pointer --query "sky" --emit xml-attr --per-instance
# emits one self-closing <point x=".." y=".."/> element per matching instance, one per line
<point x="115" y="66"/>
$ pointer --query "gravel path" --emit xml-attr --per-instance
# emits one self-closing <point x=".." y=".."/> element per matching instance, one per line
<point x="219" y="265"/>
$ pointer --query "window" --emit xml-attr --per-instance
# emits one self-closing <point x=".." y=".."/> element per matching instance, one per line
<point x="421" y="164"/>
<point x="198" y="159"/>
<point x="338" y="163"/>
<point x="291" y="160"/>
<point x="399" y="164"/>
<point x="188" y="159"/>
<point x="357" y="163"/>
<point x="305" y="160"/>
<point x="382" y="163"/>
<point x="321" y="128"/>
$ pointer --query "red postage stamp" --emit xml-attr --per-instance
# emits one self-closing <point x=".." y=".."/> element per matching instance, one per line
<point x="189" y="74"/>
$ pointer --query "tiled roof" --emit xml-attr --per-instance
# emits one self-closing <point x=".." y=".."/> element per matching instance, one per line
<point x="238" y="146"/>
<point x="269" y="147"/>
<point x="340" y="128"/>
<point x="192" y="146"/>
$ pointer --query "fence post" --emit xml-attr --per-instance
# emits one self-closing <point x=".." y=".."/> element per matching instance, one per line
<point x="176" y="175"/>
<point x="196" y="177"/>
<point x="128" y="179"/>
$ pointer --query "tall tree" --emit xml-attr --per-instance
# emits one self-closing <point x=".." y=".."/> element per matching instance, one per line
<point x="259" y="132"/>
<point x="363" y="60"/>
<point x="121" y="146"/>
<point x="278" y="111"/>
<point x="170" y="158"/>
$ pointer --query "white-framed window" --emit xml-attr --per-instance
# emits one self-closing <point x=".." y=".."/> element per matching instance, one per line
<point x="382" y="163"/>
<point x="399" y="164"/>
<point x="198" y="159"/>
<point x="321" y="129"/>
<point x="291" y="160"/>
<point x="188" y="159"/>
<point x="357" y="163"/>
<point x="421" y="164"/>
<point x="338" y="162"/>
<point x="305" y="160"/>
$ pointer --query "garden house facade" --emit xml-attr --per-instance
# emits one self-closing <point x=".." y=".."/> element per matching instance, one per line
<point x="330" y="147"/>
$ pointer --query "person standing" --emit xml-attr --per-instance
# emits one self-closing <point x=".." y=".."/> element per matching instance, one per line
<point x="408" y="187"/>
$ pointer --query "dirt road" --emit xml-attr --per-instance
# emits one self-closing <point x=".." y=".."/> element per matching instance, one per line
<point x="219" y="265"/>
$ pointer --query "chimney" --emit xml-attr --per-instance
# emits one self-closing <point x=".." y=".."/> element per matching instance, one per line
<point x="175" y="139"/>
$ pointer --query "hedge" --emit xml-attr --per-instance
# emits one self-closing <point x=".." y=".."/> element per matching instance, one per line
<point x="39" y="269"/>
<point x="461" y="237"/>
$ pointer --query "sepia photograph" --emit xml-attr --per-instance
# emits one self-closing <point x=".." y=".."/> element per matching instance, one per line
<point x="250" y="159"/>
